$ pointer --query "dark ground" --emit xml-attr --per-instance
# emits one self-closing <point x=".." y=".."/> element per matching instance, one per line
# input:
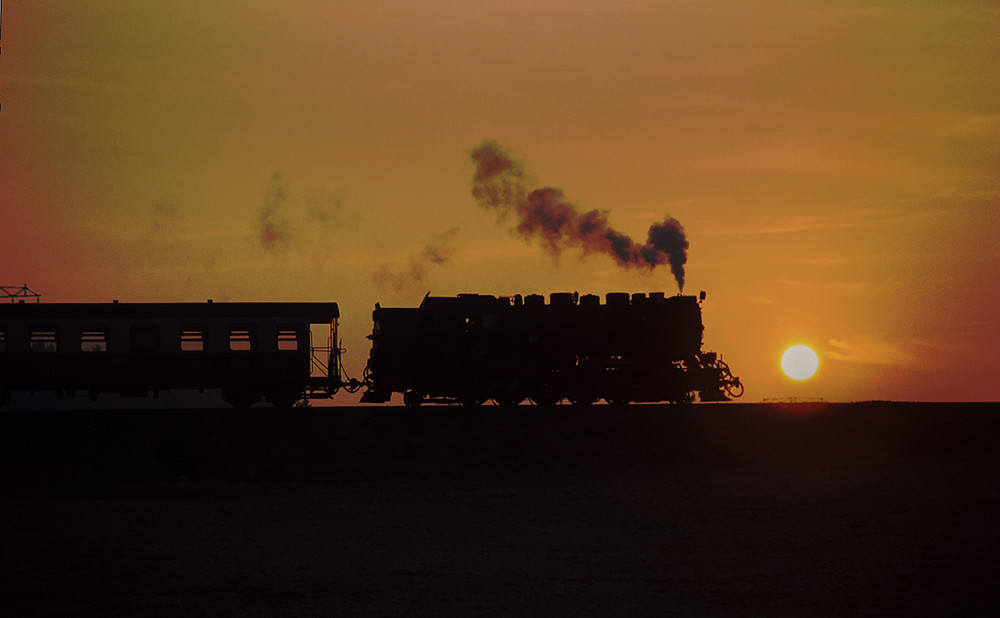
<point x="731" y="509"/>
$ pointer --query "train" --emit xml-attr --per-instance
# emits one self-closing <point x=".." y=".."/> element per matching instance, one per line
<point x="466" y="349"/>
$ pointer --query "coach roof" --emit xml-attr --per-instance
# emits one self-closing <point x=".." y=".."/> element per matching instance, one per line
<point x="315" y="313"/>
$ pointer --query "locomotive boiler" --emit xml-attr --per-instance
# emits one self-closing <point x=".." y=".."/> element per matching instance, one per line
<point x="473" y="348"/>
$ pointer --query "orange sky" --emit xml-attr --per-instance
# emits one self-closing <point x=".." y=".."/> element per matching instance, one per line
<point x="834" y="164"/>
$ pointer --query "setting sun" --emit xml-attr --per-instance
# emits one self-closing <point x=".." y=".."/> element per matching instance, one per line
<point x="799" y="362"/>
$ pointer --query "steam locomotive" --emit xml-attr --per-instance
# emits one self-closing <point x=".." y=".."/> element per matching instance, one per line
<point x="472" y="348"/>
<point x="465" y="349"/>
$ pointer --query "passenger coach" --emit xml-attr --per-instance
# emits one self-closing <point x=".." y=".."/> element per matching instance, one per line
<point x="248" y="350"/>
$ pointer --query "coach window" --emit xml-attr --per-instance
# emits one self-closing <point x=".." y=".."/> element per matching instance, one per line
<point x="94" y="338"/>
<point x="43" y="339"/>
<point x="242" y="337"/>
<point x="145" y="338"/>
<point x="289" y="337"/>
<point x="193" y="338"/>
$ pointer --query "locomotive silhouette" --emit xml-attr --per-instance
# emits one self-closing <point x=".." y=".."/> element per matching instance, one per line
<point x="466" y="349"/>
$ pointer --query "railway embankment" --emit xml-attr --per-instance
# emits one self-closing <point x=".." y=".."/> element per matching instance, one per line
<point x="43" y="449"/>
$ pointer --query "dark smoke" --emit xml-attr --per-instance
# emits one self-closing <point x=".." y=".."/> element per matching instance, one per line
<point x="499" y="184"/>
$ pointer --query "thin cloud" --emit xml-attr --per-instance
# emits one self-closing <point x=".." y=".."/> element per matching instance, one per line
<point x="819" y="260"/>
<point x="756" y="299"/>
<point x="76" y="84"/>
<point x="870" y="350"/>
<point x="838" y="286"/>
<point x="790" y="224"/>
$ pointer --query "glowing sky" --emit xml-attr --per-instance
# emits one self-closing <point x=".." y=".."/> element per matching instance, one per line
<point x="834" y="164"/>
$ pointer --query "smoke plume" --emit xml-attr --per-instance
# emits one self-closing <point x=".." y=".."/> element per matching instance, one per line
<point x="273" y="231"/>
<point x="499" y="184"/>
<point x="435" y="253"/>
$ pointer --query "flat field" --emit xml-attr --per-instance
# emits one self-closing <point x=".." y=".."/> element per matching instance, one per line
<point x="870" y="508"/>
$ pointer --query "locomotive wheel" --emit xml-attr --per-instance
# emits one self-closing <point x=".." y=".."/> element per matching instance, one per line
<point x="508" y="401"/>
<point x="545" y="399"/>
<point x="582" y="401"/>
<point x="682" y="398"/>
<point x="472" y="400"/>
<point x="412" y="399"/>
<point x="735" y="390"/>
<point x="284" y="400"/>
<point x="241" y="400"/>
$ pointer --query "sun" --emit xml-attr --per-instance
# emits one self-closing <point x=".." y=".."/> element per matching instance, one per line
<point x="799" y="362"/>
